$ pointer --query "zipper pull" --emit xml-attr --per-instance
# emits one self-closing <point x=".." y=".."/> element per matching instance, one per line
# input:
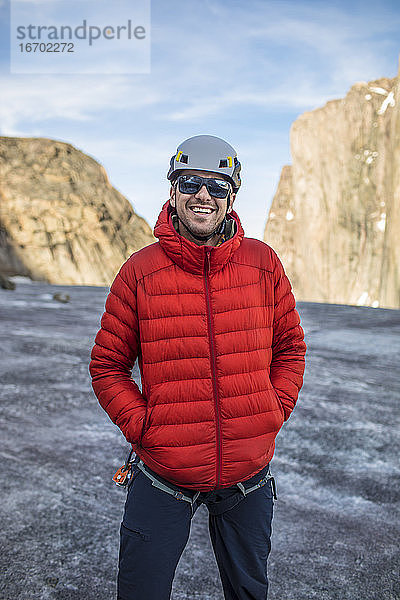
<point x="208" y="259"/>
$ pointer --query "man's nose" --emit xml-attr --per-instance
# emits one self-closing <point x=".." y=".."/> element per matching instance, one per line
<point x="203" y="194"/>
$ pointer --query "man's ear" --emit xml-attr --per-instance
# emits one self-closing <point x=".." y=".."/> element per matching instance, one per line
<point x="232" y="198"/>
<point x="172" y="196"/>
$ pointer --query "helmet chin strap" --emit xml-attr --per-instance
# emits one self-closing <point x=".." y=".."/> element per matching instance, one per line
<point x="219" y="229"/>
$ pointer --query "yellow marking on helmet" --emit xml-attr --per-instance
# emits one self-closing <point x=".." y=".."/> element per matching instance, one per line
<point x="229" y="161"/>
<point x="177" y="157"/>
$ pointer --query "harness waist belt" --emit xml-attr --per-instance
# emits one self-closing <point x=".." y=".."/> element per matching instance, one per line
<point x="179" y="495"/>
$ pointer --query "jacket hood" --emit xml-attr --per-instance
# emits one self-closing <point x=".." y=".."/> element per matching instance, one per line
<point x="188" y="255"/>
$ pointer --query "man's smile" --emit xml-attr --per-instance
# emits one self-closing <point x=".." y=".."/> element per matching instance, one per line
<point x="206" y="210"/>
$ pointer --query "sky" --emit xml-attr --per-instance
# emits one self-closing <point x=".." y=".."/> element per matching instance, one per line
<point x="243" y="70"/>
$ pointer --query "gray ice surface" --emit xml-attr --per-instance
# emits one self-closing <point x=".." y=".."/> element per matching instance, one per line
<point x="337" y="518"/>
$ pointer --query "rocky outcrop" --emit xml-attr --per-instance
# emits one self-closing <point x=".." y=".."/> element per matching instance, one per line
<point x="335" y="218"/>
<point x="61" y="221"/>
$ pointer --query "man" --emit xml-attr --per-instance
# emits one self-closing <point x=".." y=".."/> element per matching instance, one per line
<point x="211" y="318"/>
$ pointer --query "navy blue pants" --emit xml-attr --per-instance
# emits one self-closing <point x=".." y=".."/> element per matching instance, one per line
<point x="155" y="530"/>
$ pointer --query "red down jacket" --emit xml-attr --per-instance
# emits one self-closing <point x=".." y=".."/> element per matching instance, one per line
<point x="220" y="350"/>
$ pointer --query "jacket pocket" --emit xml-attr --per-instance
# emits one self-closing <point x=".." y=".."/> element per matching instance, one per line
<point x="143" y="426"/>
<point x="279" y="403"/>
<point x="146" y="424"/>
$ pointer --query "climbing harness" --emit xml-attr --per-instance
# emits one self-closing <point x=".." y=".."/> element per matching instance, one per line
<point x="166" y="488"/>
<point x="262" y="482"/>
<point x="124" y="475"/>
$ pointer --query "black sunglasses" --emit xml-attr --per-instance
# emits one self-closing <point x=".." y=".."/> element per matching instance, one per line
<point x="191" y="184"/>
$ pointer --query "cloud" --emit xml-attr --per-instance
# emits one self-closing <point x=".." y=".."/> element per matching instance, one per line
<point x="37" y="99"/>
<point x="268" y="56"/>
<point x="295" y="97"/>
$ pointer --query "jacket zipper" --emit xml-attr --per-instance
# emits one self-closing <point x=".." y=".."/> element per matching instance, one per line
<point x="211" y="339"/>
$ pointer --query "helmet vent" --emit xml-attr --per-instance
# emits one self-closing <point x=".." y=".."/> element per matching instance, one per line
<point x="223" y="163"/>
<point x="184" y="159"/>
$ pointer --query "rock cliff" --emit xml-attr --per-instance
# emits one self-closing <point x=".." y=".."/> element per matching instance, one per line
<point x="61" y="221"/>
<point x="335" y="218"/>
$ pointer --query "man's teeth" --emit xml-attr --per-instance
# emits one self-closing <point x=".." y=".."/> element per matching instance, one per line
<point x="202" y="210"/>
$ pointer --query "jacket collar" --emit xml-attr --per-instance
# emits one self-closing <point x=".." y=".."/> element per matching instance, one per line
<point x="188" y="255"/>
